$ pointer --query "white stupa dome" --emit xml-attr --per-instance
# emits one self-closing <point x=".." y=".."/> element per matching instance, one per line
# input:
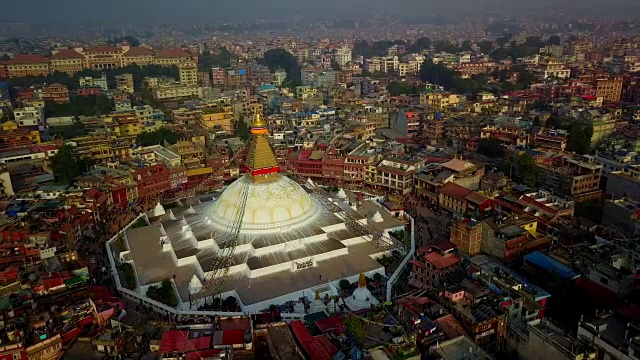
<point x="158" y="210"/>
<point x="270" y="205"/>
<point x="377" y="217"/>
<point x="342" y="194"/>
<point x="195" y="285"/>
<point x="317" y="305"/>
<point x="361" y="297"/>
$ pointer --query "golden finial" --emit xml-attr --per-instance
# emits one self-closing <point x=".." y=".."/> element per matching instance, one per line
<point x="258" y="122"/>
<point x="317" y="295"/>
<point x="362" y="282"/>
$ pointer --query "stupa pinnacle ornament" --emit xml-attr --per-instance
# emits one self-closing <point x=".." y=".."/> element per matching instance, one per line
<point x="261" y="161"/>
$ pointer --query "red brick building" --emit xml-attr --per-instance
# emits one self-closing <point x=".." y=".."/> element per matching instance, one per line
<point x="152" y="180"/>
<point x="432" y="263"/>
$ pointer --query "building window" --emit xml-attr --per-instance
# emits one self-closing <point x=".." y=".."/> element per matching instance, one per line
<point x="604" y="280"/>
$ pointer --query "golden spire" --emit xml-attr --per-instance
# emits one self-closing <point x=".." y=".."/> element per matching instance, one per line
<point x="362" y="282"/>
<point x="258" y="126"/>
<point x="261" y="162"/>
<point x="317" y="295"/>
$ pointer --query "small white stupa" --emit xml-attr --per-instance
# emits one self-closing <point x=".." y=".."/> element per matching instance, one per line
<point x="377" y="217"/>
<point x="298" y="308"/>
<point x="361" y="297"/>
<point x="317" y="305"/>
<point x="195" y="285"/>
<point x="158" y="210"/>
<point x="310" y="183"/>
<point x="341" y="194"/>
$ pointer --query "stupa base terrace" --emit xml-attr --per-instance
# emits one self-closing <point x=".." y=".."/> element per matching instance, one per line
<point x="291" y="245"/>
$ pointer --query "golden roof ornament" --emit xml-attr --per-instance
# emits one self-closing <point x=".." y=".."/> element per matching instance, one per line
<point x="362" y="282"/>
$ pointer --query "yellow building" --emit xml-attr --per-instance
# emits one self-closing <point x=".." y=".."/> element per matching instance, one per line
<point x="28" y="65"/>
<point x="127" y="124"/>
<point x="220" y="116"/>
<point x="96" y="147"/>
<point x="140" y="56"/>
<point x="439" y="100"/>
<point x="12" y="136"/>
<point x="188" y="74"/>
<point x="103" y="57"/>
<point x="168" y="57"/>
<point x="67" y="61"/>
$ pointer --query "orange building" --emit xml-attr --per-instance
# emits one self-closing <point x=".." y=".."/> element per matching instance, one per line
<point x="67" y="61"/>
<point x="610" y="89"/>
<point x="57" y="93"/>
<point x="3" y="70"/>
<point x="28" y="65"/>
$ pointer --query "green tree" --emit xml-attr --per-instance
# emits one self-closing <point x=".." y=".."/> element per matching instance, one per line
<point x="222" y="59"/>
<point x="5" y="57"/>
<point x="157" y="137"/>
<point x="282" y="59"/>
<point x="490" y="148"/>
<point x="356" y="326"/>
<point x="553" y="40"/>
<point x="66" y="166"/>
<point x="485" y="46"/>
<point x="344" y="284"/>
<point x="579" y="139"/>
<point x="423" y="43"/>
<point x="241" y="129"/>
<point x="527" y="170"/>
<point x="163" y="293"/>
<point x="466" y="45"/>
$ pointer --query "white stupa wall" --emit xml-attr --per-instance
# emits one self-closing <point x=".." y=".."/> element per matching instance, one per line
<point x="336" y="227"/>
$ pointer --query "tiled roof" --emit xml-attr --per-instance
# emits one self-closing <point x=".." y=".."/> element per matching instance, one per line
<point x="171" y="53"/>
<point x="138" y="51"/>
<point x="21" y="59"/>
<point x="66" y="54"/>
<point x="101" y="49"/>
<point x="455" y="191"/>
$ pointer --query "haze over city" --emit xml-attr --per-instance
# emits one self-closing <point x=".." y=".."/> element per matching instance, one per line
<point x="319" y="180"/>
<point x="203" y="11"/>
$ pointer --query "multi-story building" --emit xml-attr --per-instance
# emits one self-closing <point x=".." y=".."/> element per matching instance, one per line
<point x="460" y="201"/>
<point x="103" y="57"/>
<point x="432" y="263"/>
<point x="439" y="99"/>
<point x="12" y="136"/>
<point x="57" y="93"/>
<point x="186" y="116"/>
<point x="152" y="180"/>
<point x="553" y="68"/>
<point x="508" y="134"/>
<point x="29" y="116"/>
<point x="342" y="56"/>
<point x="218" y="116"/>
<point x="466" y="234"/>
<point x="68" y="61"/>
<point x="124" y="83"/>
<point x="176" y="92"/>
<point x="219" y="77"/>
<point x="550" y="140"/>
<point x="126" y="123"/>
<point x="138" y="55"/>
<point x="28" y="65"/>
<point x="511" y="238"/>
<point x="94" y="82"/>
<point x="169" y="57"/>
<point x="574" y="176"/>
<point x="188" y="74"/>
<point x="609" y="89"/>
<point x="394" y="175"/>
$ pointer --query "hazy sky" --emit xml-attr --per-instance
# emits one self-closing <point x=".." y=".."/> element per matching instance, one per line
<point x="163" y="11"/>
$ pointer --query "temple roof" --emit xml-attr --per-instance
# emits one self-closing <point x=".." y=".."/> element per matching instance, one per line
<point x="261" y="160"/>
